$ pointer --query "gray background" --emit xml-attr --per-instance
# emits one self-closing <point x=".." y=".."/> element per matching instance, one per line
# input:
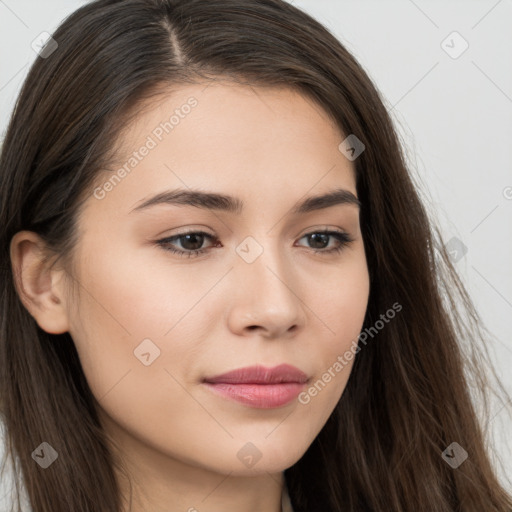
<point x="453" y="113"/>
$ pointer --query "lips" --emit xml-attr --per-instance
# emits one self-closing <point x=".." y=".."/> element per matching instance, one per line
<point x="258" y="386"/>
<point x="261" y="375"/>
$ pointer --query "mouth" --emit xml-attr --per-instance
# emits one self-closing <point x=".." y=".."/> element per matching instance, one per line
<point x="258" y="386"/>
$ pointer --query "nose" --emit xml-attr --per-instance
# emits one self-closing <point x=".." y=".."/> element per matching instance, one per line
<point x="265" y="298"/>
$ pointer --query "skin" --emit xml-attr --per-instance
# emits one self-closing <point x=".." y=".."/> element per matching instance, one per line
<point x="212" y="313"/>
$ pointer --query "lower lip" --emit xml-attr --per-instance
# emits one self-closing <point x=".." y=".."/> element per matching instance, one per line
<point x="261" y="396"/>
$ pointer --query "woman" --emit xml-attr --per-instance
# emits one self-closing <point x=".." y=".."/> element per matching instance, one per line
<point x="302" y="354"/>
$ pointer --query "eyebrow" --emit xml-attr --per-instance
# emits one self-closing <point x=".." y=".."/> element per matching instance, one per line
<point x="230" y="204"/>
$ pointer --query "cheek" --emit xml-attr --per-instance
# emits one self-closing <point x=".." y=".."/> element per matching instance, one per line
<point x="132" y="296"/>
<point x="340" y="310"/>
<point x="120" y="307"/>
<point x="341" y="302"/>
<point x="136" y="374"/>
<point x="135" y="308"/>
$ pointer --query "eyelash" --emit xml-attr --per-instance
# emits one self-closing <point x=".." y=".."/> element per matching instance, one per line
<point x="342" y="237"/>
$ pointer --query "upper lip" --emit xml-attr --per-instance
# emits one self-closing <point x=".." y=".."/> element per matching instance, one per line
<point x="260" y="375"/>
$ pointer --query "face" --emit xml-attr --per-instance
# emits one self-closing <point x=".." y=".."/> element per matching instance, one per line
<point x="273" y="283"/>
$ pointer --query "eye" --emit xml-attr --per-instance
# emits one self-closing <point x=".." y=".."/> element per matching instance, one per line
<point x="320" y="239"/>
<point x="192" y="242"/>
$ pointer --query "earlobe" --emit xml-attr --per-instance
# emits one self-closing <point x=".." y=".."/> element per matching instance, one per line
<point x="40" y="288"/>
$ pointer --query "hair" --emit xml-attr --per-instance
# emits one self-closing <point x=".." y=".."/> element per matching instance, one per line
<point x="412" y="389"/>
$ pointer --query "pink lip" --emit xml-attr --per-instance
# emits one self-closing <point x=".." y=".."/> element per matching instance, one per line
<point x="258" y="386"/>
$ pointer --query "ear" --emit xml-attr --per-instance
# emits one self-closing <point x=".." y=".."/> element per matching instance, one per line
<point x="40" y="288"/>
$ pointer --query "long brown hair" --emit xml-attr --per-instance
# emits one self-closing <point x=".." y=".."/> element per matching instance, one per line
<point x="409" y="395"/>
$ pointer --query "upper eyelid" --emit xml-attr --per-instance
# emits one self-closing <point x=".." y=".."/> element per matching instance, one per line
<point x="201" y="230"/>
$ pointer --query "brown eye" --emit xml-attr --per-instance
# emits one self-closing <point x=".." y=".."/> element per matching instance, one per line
<point x="191" y="243"/>
<point x="319" y="240"/>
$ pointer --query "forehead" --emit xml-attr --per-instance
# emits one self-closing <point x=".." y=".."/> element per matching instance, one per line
<point x="232" y="137"/>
